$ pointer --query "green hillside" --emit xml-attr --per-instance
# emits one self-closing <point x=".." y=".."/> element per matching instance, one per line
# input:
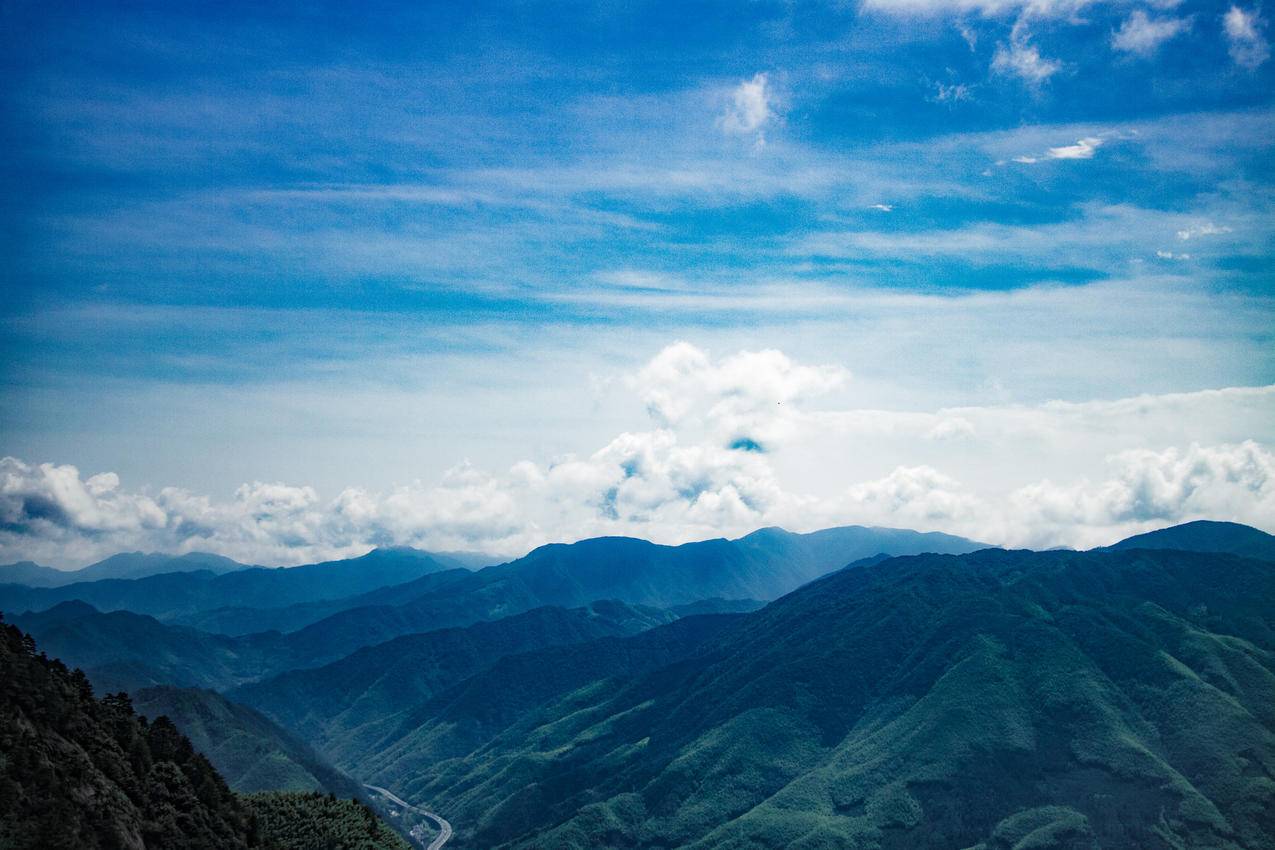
<point x="348" y="705"/>
<point x="249" y="751"/>
<point x="998" y="699"/>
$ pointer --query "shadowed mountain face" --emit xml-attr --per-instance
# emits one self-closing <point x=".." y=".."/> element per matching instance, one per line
<point x="120" y="650"/>
<point x="1061" y="699"/>
<point x="352" y="703"/>
<point x="248" y="750"/>
<point x="1206" y="536"/>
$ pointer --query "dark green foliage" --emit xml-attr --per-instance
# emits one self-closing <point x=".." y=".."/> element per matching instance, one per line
<point x="251" y="752"/>
<point x="80" y="773"/>
<point x="293" y="821"/>
<point x="992" y="700"/>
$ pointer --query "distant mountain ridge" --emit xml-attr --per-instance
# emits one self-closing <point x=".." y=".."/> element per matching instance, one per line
<point x="183" y="593"/>
<point x="126" y="565"/>
<point x="760" y="566"/>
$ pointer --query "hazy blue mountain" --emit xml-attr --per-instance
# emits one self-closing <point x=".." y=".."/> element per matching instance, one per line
<point x="992" y="700"/>
<point x="761" y="565"/>
<point x="123" y="565"/>
<point x="1206" y="536"/>
<point x="716" y="605"/>
<point x="32" y="574"/>
<point x="121" y="650"/>
<point x="348" y="704"/>
<point x="142" y="564"/>
<point x="172" y="595"/>
<point x="250" y="751"/>
<point x="290" y="618"/>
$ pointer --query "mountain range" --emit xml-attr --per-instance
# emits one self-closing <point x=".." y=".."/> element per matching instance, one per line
<point x="1113" y="699"/>
<point x="854" y="687"/>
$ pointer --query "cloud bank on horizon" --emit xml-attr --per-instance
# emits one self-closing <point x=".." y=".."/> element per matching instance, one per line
<point x="998" y="267"/>
<point x="704" y="467"/>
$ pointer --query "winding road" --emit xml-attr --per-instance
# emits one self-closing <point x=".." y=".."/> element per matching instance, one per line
<point x="444" y="828"/>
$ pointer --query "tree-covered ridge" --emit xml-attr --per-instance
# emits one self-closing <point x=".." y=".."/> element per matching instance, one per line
<point x="295" y="821"/>
<point x="81" y="773"/>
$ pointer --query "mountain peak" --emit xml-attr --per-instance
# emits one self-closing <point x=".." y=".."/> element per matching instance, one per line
<point x="1206" y="536"/>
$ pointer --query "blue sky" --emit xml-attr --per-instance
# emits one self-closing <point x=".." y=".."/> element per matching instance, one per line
<point x="382" y="251"/>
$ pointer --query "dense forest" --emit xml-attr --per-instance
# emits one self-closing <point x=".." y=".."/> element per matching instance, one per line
<point x="294" y="821"/>
<point x="82" y="773"/>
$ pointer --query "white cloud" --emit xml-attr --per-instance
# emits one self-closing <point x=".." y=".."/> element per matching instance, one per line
<point x="745" y="396"/>
<point x="989" y="8"/>
<point x="1022" y="59"/>
<point x="1248" y="47"/>
<point x="883" y="207"/>
<point x="950" y="92"/>
<point x="1151" y="489"/>
<point x="1208" y="228"/>
<point x="1143" y="35"/>
<point x="717" y="458"/>
<point x="1082" y="149"/>
<point x="751" y="109"/>
<point x="1169" y="255"/>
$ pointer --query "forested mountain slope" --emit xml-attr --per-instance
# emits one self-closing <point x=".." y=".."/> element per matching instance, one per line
<point x="250" y="752"/>
<point x="1061" y="699"/>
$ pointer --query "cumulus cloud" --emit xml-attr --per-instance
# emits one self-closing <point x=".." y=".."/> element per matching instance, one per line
<point x="1248" y="47"/>
<point x="748" y="395"/>
<point x="750" y="110"/>
<point x="712" y="460"/>
<point x="1142" y="35"/>
<point x="1149" y="489"/>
